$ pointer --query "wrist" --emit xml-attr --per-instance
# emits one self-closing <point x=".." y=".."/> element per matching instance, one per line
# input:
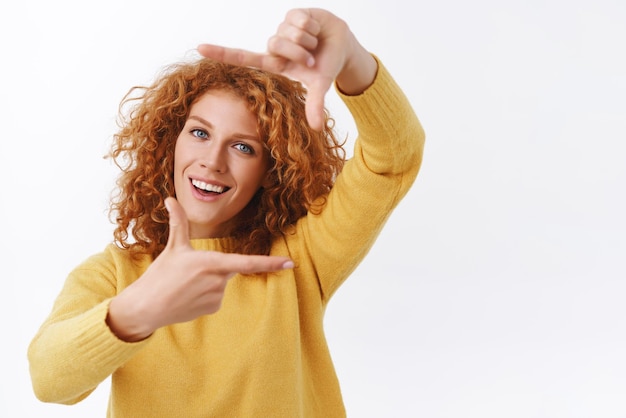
<point x="358" y="72"/>
<point x="124" y="324"/>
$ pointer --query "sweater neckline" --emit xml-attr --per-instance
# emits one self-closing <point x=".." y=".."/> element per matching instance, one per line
<point x="213" y="244"/>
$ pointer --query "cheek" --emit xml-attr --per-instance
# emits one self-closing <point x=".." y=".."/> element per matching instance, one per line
<point x="179" y="164"/>
<point x="181" y="157"/>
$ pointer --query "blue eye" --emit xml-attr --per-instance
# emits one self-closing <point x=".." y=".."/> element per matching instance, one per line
<point x="199" y="133"/>
<point x="244" y="148"/>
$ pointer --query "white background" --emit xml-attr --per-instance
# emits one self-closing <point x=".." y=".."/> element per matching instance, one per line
<point x="497" y="288"/>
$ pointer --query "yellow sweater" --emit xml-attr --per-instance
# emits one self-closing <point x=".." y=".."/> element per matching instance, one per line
<point x="264" y="353"/>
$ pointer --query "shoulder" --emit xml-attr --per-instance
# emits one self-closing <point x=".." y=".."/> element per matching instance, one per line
<point x="113" y="259"/>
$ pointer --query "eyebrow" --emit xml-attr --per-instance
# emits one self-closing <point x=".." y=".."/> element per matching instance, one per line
<point x="238" y="135"/>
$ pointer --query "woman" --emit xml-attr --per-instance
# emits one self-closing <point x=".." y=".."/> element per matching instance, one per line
<point x="237" y="219"/>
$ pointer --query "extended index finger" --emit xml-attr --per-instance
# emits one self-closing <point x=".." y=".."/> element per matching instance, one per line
<point x="242" y="57"/>
<point x="247" y="264"/>
<point x="234" y="56"/>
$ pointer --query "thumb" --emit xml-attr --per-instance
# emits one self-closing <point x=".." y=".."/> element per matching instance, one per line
<point x="314" y="105"/>
<point x="179" y="226"/>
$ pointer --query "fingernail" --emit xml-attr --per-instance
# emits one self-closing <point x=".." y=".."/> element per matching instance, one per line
<point x="288" y="264"/>
<point x="310" y="62"/>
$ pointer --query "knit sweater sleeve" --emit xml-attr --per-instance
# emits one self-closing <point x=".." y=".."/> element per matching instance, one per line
<point x="386" y="159"/>
<point x="74" y="350"/>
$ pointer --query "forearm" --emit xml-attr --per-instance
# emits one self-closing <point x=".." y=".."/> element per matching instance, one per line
<point x="68" y="358"/>
<point x="391" y="137"/>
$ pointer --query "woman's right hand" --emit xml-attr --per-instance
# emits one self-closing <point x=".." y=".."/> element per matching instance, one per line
<point x="181" y="284"/>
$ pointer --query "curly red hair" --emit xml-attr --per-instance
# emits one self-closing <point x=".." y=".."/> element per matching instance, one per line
<point x="304" y="162"/>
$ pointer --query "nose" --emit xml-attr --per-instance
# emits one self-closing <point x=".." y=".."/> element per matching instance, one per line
<point x="214" y="157"/>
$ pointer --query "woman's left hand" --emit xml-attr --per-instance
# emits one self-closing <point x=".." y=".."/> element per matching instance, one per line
<point x="314" y="47"/>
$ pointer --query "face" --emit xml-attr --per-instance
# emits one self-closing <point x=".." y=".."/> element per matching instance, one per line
<point x="219" y="163"/>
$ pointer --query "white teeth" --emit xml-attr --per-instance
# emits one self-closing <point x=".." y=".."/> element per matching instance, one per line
<point x="208" y="187"/>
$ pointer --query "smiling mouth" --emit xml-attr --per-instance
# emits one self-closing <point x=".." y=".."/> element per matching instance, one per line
<point x="207" y="188"/>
